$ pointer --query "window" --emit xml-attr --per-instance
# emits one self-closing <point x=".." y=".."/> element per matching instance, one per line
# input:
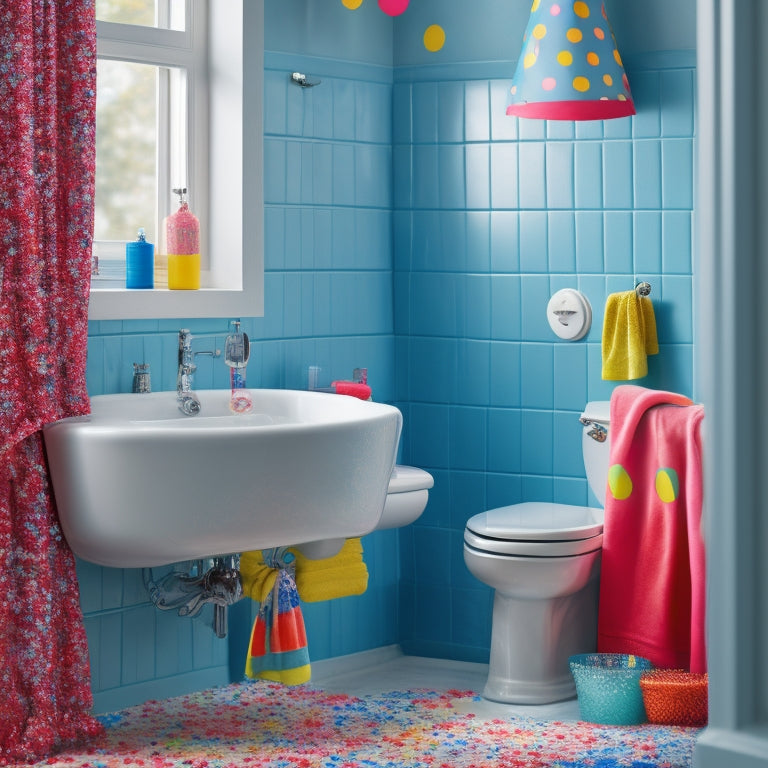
<point x="173" y="98"/>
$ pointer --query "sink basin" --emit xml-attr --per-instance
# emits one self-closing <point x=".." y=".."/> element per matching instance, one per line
<point x="139" y="484"/>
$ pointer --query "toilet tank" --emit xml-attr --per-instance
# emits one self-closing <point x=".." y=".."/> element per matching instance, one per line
<point x="596" y="418"/>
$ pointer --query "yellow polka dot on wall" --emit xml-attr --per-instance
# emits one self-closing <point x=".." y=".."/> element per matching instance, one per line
<point x="352" y="4"/>
<point x="434" y="37"/>
<point x="619" y="482"/>
<point x="667" y="484"/>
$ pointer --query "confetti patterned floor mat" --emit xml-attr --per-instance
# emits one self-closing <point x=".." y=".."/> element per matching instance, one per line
<point x="266" y="725"/>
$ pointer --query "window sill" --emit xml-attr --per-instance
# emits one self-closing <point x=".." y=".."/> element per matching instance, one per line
<point x="236" y="190"/>
<point x="124" y="304"/>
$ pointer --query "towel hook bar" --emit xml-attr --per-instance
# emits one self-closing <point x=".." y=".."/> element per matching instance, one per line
<point x="643" y="289"/>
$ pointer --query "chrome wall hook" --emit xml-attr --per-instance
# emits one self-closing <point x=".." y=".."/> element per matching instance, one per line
<point x="643" y="289"/>
<point x="303" y="80"/>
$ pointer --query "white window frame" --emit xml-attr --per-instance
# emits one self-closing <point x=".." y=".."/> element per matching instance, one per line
<point x="225" y="176"/>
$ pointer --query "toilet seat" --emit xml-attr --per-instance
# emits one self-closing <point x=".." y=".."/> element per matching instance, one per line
<point x="536" y="529"/>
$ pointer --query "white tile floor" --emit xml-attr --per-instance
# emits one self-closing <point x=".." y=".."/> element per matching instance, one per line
<point x="387" y="669"/>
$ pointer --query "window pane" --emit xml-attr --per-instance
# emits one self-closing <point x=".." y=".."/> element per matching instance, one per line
<point x="165" y="14"/>
<point x="126" y="150"/>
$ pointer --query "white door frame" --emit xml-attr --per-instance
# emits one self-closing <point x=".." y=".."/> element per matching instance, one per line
<point x="731" y="353"/>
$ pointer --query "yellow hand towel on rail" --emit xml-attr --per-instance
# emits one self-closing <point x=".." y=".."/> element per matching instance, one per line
<point x="629" y="335"/>
<point x="342" y="575"/>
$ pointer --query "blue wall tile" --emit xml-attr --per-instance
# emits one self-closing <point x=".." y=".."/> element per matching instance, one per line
<point x="560" y="175"/>
<point x="533" y="241"/>
<point x="476" y="108"/>
<point x="505" y="374"/>
<point x="617" y="174"/>
<point x="561" y="238"/>
<point x="588" y="175"/>
<point x="677" y="103"/>
<point x="537" y="387"/>
<point x="450" y="112"/>
<point x="532" y="170"/>
<point x="424" y="112"/>
<point x="506" y="308"/>
<point x="478" y="176"/>
<point x="504" y="176"/>
<point x="647" y="174"/>
<point x="677" y="162"/>
<point x="589" y="242"/>
<point x="505" y="226"/>
<point x="618" y="241"/>
<point x="504" y="441"/>
<point x="647" y="246"/>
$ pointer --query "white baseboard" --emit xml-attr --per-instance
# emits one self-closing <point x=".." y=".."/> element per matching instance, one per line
<point x="354" y="662"/>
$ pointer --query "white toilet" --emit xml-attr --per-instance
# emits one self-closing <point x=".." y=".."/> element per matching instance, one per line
<point x="543" y="560"/>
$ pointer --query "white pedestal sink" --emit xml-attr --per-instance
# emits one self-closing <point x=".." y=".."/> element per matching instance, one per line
<point x="138" y="484"/>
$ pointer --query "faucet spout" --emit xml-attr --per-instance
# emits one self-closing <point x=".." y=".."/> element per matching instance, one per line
<point x="188" y="401"/>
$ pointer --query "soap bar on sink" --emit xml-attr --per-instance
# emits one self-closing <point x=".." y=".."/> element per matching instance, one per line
<point x="353" y="388"/>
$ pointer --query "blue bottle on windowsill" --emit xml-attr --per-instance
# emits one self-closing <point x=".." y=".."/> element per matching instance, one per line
<point x="140" y="263"/>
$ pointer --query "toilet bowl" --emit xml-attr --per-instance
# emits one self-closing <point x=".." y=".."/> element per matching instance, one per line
<point x="543" y="561"/>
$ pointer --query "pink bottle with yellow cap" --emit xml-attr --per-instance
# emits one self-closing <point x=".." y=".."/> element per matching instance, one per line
<point x="182" y="233"/>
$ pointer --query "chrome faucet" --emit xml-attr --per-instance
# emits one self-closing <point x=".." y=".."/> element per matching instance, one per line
<point x="221" y="584"/>
<point x="188" y="401"/>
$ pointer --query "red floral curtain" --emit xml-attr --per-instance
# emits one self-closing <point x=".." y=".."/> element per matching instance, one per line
<point x="47" y="148"/>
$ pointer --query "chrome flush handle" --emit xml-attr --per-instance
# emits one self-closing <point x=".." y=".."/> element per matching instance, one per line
<point x="597" y="432"/>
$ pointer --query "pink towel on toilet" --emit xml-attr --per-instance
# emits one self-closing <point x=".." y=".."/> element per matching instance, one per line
<point x="652" y="583"/>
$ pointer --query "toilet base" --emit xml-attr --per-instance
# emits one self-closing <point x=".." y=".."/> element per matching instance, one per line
<point x="507" y="691"/>
<point x="532" y="640"/>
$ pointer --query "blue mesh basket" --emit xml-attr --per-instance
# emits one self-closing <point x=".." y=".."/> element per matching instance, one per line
<point x="608" y="687"/>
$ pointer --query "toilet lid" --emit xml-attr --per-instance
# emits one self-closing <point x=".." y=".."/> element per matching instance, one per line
<point x="538" y="521"/>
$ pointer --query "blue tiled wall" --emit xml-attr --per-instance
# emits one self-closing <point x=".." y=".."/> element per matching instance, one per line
<point x="492" y="216"/>
<point x="414" y="229"/>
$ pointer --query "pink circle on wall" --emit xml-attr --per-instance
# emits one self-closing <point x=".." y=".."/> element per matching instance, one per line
<point x="393" y="7"/>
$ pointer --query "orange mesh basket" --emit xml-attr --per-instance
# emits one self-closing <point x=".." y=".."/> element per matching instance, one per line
<point x="675" y="697"/>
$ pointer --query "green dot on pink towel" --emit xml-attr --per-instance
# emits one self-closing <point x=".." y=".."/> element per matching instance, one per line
<point x="667" y="484"/>
<point x="619" y="482"/>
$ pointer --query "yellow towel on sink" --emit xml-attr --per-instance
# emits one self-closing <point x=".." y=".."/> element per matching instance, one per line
<point x="629" y="336"/>
<point x="342" y="575"/>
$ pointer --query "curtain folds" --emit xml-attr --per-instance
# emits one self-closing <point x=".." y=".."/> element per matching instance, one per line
<point x="47" y="151"/>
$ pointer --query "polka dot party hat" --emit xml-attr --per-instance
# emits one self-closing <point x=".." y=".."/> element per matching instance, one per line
<point x="569" y="66"/>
